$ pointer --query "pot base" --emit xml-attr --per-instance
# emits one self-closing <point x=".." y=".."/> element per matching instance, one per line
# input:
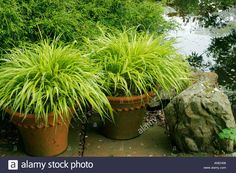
<point x="126" y="126"/>
<point x="47" y="141"/>
<point x="41" y="140"/>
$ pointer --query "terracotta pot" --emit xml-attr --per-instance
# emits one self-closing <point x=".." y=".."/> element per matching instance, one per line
<point x="129" y="113"/>
<point x="41" y="140"/>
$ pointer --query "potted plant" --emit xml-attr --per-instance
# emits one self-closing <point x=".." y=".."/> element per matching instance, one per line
<point x="135" y="66"/>
<point x="42" y="86"/>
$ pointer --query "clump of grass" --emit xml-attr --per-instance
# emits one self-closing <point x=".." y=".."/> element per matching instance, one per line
<point x="135" y="63"/>
<point x="50" y="77"/>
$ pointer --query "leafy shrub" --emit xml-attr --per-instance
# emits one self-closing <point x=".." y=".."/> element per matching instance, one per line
<point x="125" y="13"/>
<point x="228" y="133"/>
<point x="50" y="77"/>
<point x="30" y="20"/>
<point x="135" y="63"/>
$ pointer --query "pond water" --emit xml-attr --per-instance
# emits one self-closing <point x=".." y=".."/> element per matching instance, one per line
<point x="207" y="33"/>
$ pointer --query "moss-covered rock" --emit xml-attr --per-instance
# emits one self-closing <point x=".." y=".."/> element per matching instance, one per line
<point x="198" y="114"/>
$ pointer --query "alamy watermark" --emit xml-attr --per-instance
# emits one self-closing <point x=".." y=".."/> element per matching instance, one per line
<point x="44" y="165"/>
<point x="12" y="164"/>
<point x="147" y="125"/>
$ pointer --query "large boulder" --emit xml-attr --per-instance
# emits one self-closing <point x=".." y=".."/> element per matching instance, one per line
<point x="198" y="114"/>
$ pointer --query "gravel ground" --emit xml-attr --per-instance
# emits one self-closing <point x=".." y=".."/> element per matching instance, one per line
<point x="156" y="116"/>
<point x="9" y="137"/>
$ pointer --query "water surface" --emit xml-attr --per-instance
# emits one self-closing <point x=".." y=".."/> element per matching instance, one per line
<point x="207" y="33"/>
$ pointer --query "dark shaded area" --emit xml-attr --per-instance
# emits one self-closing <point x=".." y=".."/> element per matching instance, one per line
<point x="9" y="136"/>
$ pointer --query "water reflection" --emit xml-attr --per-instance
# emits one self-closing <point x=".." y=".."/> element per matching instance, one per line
<point x="223" y="51"/>
<point x="196" y="61"/>
<point x="206" y="11"/>
<point x="207" y="34"/>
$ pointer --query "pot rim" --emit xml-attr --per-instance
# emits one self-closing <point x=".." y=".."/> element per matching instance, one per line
<point x="30" y="116"/>
<point x="130" y="98"/>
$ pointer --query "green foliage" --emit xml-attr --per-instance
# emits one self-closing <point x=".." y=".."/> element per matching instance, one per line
<point x="135" y="63"/>
<point x="228" y="133"/>
<point x="125" y="13"/>
<point x="30" y="20"/>
<point x="49" y="77"/>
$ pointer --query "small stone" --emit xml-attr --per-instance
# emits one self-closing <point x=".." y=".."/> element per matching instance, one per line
<point x="95" y="124"/>
<point x="14" y="148"/>
<point x="69" y="148"/>
<point x="174" y="148"/>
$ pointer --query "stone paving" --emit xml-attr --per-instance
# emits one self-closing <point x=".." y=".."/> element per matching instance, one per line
<point x="153" y="142"/>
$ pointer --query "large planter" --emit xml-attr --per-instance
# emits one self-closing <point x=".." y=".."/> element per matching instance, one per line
<point x="41" y="140"/>
<point x="129" y="113"/>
